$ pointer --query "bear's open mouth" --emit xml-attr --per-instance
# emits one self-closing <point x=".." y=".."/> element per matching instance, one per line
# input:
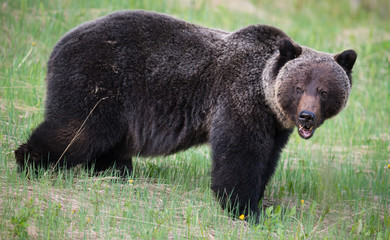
<point x="305" y="132"/>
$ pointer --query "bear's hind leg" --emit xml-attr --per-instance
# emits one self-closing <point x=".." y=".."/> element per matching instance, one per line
<point x="58" y="144"/>
<point x="45" y="147"/>
<point x="75" y="134"/>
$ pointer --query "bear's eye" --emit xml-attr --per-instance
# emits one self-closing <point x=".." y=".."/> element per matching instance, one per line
<point x="299" y="90"/>
<point x="323" y="93"/>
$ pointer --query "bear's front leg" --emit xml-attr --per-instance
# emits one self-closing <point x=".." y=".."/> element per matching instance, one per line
<point x="243" y="162"/>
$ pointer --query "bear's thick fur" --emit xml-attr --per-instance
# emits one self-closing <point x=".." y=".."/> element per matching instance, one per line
<point x="142" y="83"/>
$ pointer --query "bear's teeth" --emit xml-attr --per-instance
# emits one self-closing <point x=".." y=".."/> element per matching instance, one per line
<point x="301" y="127"/>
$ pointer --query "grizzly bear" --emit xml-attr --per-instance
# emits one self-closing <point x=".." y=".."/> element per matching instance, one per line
<point x="143" y="83"/>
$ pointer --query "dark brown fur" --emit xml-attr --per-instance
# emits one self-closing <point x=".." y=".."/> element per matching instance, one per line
<point x="141" y="83"/>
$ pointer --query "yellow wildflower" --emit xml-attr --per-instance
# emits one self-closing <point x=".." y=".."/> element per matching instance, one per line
<point x="131" y="181"/>
<point x="242" y="217"/>
<point x="302" y="201"/>
<point x="388" y="166"/>
<point x="33" y="44"/>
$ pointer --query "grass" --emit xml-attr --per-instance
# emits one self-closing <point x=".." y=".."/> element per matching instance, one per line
<point x="342" y="174"/>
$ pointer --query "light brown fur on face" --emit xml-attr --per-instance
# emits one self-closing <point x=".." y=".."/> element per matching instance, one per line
<point x="309" y="102"/>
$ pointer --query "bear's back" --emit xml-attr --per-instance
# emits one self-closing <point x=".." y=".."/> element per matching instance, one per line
<point x="144" y="30"/>
<point x="151" y="47"/>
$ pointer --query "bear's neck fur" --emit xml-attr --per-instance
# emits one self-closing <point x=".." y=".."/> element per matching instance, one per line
<point x="269" y="87"/>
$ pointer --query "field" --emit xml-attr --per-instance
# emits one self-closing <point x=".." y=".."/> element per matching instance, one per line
<point x="333" y="186"/>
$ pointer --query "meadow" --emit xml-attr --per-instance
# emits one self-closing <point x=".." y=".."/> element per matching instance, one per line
<point x="333" y="186"/>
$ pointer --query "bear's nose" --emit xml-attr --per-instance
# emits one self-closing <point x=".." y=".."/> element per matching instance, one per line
<point x="306" y="117"/>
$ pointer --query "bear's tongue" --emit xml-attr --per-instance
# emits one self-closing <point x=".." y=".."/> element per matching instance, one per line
<point x="305" y="132"/>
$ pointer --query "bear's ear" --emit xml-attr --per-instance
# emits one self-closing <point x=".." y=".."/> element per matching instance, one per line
<point x="346" y="60"/>
<point x="288" y="50"/>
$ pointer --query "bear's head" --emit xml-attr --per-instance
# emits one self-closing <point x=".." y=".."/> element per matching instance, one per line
<point x="305" y="87"/>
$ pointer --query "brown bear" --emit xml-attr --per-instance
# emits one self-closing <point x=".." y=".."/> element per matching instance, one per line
<point x="143" y="83"/>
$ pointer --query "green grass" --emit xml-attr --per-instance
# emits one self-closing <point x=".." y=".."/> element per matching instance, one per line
<point x="341" y="173"/>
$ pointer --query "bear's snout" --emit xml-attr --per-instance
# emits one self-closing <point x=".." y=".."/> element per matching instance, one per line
<point x="306" y="122"/>
<point x="307" y="118"/>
